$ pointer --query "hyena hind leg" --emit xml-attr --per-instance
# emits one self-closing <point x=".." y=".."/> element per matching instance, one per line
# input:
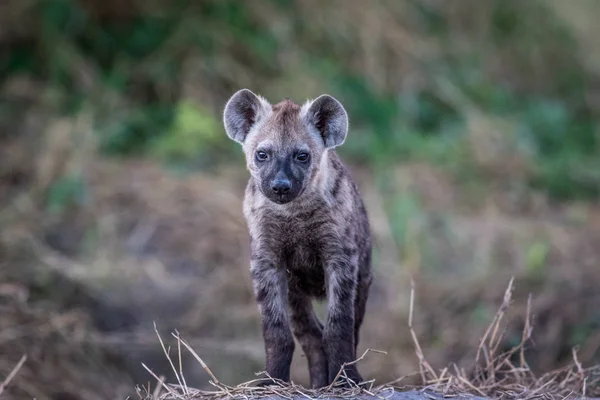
<point x="360" y="306"/>
<point x="309" y="331"/>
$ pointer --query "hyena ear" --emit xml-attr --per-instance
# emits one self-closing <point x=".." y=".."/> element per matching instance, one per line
<point x="242" y="111"/>
<point x="329" y="117"/>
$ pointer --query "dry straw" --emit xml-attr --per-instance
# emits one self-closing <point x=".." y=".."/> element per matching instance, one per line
<point x="507" y="375"/>
<point x="495" y="374"/>
<point x="12" y="374"/>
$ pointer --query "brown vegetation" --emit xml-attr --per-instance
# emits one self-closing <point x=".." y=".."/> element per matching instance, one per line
<point x="178" y="255"/>
<point x="94" y="247"/>
<point x="493" y="374"/>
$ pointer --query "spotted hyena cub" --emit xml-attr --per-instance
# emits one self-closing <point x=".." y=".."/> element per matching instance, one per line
<point x="309" y="232"/>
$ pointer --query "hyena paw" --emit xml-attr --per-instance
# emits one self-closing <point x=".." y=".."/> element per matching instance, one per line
<point x="350" y="378"/>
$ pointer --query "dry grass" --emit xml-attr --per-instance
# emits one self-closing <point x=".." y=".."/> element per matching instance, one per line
<point x="494" y="374"/>
<point x="12" y="373"/>
<point x="43" y="354"/>
<point x="253" y="388"/>
<point x="212" y="297"/>
<point x="216" y="296"/>
<point x="498" y="374"/>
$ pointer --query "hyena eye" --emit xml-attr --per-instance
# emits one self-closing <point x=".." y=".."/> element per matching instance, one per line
<point x="261" y="155"/>
<point x="302" y="157"/>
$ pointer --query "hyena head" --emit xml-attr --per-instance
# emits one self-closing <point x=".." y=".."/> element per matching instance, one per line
<point x="285" y="144"/>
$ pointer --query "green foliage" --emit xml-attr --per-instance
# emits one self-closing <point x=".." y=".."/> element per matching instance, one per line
<point x="403" y="214"/>
<point x="481" y="315"/>
<point x="537" y="79"/>
<point x="583" y="331"/>
<point x="194" y="132"/>
<point x="134" y="132"/>
<point x="64" y="192"/>
<point x="535" y="258"/>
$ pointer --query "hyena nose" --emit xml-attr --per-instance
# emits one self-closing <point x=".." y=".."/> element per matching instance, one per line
<point x="281" y="186"/>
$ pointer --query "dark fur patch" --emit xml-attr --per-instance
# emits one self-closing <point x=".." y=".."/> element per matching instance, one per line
<point x="286" y="115"/>
<point x="336" y="185"/>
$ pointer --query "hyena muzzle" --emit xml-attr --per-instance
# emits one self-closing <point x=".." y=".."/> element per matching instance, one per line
<point x="309" y="232"/>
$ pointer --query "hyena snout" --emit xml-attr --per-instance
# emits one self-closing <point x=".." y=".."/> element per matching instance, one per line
<point x="281" y="185"/>
<point x="281" y="188"/>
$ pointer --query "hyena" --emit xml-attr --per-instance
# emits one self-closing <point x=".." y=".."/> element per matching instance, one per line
<point x="309" y="232"/>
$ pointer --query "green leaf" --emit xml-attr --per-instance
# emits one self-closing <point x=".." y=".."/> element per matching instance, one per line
<point x="535" y="258"/>
<point x="64" y="192"/>
<point x="193" y="131"/>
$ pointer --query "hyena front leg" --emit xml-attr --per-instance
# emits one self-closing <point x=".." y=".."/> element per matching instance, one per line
<point x="309" y="331"/>
<point x="339" y="330"/>
<point x="270" y="288"/>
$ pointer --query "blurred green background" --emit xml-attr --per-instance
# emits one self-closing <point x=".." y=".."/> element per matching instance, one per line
<point x="474" y="138"/>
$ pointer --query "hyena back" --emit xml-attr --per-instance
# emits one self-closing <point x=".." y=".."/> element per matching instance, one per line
<point x="309" y="231"/>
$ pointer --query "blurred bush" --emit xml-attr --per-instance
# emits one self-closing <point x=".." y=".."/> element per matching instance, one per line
<point x="413" y="75"/>
<point x="474" y="138"/>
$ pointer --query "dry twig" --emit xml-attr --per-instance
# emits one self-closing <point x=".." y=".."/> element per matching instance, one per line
<point x="12" y="373"/>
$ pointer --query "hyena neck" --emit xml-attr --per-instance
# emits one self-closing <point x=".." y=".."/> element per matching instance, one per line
<point x="330" y="171"/>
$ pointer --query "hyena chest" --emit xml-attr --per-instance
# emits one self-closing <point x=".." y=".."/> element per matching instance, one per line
<point x="305" y="270"/>
<point x="301" y="241"/>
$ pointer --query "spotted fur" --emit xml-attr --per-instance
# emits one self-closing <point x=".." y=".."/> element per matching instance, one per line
<point x="311" y="242"/>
